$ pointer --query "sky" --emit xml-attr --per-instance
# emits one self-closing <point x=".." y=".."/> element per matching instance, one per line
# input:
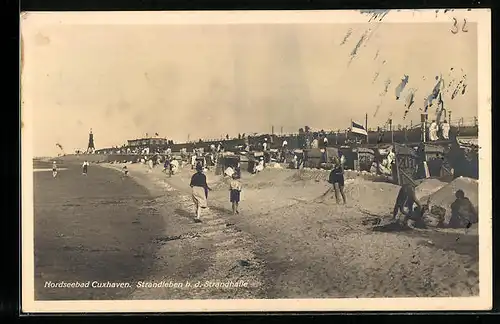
<point x="204" y="81"/>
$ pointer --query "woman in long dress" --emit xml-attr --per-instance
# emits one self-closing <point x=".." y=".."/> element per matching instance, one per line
<point x="199" y="191"/>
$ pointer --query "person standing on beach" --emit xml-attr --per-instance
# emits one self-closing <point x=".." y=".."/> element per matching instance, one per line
<point x="336" y="178"/>
<point x="54" y="169"/>
<point x="199" y="191"/>
<point x="234" y="193"/>
<point x="166" y="165"/>
<point x="85" y="167"/>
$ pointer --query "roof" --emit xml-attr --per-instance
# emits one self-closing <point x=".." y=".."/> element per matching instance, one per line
<point x="468" y="141"/>
<point x="147" y="138"/>
<point x="403" y="150"/>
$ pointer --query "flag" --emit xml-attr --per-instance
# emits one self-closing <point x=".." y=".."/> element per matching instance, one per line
<point x="358" y="128"/>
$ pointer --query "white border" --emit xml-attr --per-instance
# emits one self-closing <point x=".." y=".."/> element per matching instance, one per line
<point x="30" y="22"/>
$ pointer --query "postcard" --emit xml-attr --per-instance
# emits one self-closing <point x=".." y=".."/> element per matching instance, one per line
<point x="256" y="161"/>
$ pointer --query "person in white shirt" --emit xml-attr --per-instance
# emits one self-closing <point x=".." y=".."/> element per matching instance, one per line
<point x="265" y="144"/>
<point x="54" y="169"/>
<point x="315" y="143"/>
<point x="85" y="166"/>
<point x="433" y="131"/>
<point x="284" y="145"/>
<point x="325" y="141"/>
<point x="260" y="166"/>
<point x="445" y="129"/>
<point x="193" y="161"/>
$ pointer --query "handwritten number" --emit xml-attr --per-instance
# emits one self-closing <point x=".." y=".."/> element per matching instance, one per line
<point x="455" y="28"/>
<point x="465" y="25"/>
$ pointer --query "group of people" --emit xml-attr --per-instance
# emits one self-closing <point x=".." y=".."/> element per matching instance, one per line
<point x="463" y="212"/>
<point x="200" y="191"/>
<point x="85" y="167"/>
<point x="435" y="128"/>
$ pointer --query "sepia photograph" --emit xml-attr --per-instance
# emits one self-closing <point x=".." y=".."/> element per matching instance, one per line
<point x="256" y="161"/>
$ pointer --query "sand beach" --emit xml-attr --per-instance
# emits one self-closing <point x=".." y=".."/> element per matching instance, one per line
<point x="287" y="241"/>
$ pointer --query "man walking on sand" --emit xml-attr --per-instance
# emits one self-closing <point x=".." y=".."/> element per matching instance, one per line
<point x="85" y="167"/>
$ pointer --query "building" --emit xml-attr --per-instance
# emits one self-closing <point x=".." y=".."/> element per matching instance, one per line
<point x="147" y="142"/>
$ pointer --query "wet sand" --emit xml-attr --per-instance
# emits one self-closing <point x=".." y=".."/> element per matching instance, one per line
<point x="94" y="228"/>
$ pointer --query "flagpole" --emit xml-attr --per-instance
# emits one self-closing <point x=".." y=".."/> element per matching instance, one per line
<point x="350" y="129"/>
<point x="366" y="127"/>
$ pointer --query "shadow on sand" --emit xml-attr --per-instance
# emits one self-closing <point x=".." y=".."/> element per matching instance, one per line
<point x="185" y="213"/>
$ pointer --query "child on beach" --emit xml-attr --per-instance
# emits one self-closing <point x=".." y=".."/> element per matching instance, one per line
<point x="54" y="169"/>
<point x="234" y="192"/>
<point x="85" y="166"/>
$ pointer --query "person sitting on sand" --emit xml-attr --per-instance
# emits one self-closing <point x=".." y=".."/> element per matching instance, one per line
<point x="85" y="167"/>
<point x="336" y="178"/>
<point x="199" y="191"/>
<point x="260" y="165"/>
<point x="406" y="199"/>
<point x="54" y="169"/>
<point x="125" y="170"/>
<point x="229" y="172"/>
<point x="463" y="213"/>
<point x="234" y="193"/>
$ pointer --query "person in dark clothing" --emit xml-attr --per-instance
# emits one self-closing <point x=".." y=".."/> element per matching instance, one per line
<point x="166" y="165"/>
<point x="237" y="171"/>
<point x="336" y="178"/>
<point x="199" y="191"/>
<point x="463" y="213"/>
<point x="406" y="199"/>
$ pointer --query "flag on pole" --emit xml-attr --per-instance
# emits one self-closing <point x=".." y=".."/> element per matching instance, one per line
<point x="358" y="128"/>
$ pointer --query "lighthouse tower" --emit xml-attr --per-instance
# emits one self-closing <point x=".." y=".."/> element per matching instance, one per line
<point x="91" y="147"/>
